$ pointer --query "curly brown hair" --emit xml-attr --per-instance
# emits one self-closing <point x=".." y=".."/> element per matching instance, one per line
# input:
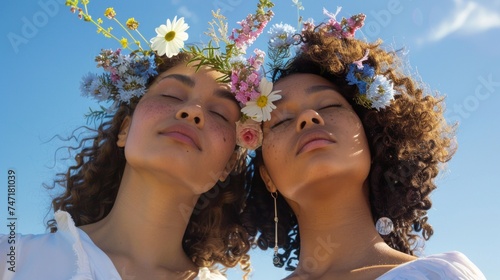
<point x="409" y="141"/>
<point x="214" y="233"/>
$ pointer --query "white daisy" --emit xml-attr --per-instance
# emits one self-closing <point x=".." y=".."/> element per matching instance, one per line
<point x="170" y="37"/>
<point x="260" y="109"/>
<point x="380" y="92"/>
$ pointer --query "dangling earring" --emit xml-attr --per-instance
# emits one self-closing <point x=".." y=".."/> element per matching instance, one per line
<point x="276" y="258"/>
<point x="384" y="226"/>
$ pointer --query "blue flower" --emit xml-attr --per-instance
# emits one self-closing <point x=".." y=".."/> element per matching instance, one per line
<point x="86" y="83"/>
<point x="104" y="92"/>
<point x="132" y="86"/>
<point x="144" y="66"/>
<point x="123" y="64"/>
<point x="151" y="71"/>
<point x="352" y="78"/>
<point x="368" y="71"/>
<point x="281" y="35"/>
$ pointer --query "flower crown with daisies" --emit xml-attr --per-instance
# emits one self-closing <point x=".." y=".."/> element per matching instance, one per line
<point x="125" y="75"/>
<point x="374" y="91"/>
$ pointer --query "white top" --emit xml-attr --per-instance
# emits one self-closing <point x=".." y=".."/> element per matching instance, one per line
<point x="451" y="265"/>
<point x="66" y="254"/>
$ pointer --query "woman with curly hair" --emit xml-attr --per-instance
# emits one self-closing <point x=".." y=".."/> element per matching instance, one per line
<point x="156" y="191"/>
<point x="154" y="194"/>
<point x="342" y="182"/>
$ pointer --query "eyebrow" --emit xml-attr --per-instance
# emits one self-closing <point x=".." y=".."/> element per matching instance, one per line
<point x="186" y="80"/>
<point x="316" y="88"/>
<point x="309" y="90"/>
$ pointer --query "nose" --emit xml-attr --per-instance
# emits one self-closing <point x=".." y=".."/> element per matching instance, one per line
<point x="191" y="113"/>
<point x="309" y="118"/>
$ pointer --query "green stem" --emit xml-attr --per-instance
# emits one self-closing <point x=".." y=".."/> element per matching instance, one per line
<point x="143" y="38"/>
<point x="126" y="30"/>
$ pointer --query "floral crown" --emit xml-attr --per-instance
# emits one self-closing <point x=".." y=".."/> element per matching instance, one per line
<point x="126" y="75"/>
<point x="374" y="91"/>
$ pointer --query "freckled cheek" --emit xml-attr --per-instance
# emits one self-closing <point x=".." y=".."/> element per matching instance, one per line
<point x="225" y="134"/>
<point x="273" y="148"/>
<point x="150" y="109"/>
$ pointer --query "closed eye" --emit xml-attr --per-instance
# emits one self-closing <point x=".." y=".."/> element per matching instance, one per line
<point x="172" y="96"/>
<point x="280" y="123"/>
<point x="219" y="115"/>
<point x="331" y="106"/>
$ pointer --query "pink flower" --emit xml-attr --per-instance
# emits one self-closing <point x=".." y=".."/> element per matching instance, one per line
<point x="114" y="77"/>
<point x="257" y="60"/>
<point x="248" y="134"/>
<point x="253" y="78"/>
<point x="308" y="26"/>
<point x="251" y="27"/>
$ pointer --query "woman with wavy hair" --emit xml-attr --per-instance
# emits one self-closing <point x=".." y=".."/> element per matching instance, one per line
<point x="155" y="192"/>
<point x="342" y="183"/>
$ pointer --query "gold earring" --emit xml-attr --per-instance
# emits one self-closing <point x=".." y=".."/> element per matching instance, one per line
<point x="276" y="258"/>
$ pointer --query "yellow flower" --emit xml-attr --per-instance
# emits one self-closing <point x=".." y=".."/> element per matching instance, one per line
<point x="124" y="42"/>
<point x="71" y="3"/>
<point x="110" y="13"/>
<point x="99" y="20"/>
<point x="132" y="24"/>
<point x="106" y="33"/>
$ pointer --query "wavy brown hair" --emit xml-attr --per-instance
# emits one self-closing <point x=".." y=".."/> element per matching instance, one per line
<point x="214" y="233"/>
<point x="408" y="142"/>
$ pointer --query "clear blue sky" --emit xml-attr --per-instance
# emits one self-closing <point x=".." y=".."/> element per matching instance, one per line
<point x="453" y="45"/>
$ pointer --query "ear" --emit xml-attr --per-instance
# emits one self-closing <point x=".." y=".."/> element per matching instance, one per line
<point x="229" y="166"/>
<point x="122" y="135"/>
<point x="267" y="179"/>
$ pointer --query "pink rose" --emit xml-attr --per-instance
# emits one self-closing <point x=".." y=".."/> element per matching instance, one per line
<point x="248" y="134"/>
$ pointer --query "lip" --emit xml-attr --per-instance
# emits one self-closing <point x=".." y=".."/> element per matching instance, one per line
<point x="312" y="140"/>
<point x="184" y="134"/>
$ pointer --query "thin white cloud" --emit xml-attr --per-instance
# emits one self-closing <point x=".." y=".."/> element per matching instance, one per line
<point x="468" y="17"/>
<point x="184" y="11"/>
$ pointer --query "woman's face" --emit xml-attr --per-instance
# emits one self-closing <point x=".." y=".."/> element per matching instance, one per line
<point x="183" y="129"/>
<point x="314" y="135"/>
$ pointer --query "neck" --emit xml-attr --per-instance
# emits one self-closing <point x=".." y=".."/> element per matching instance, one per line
<point x="146" y="224"/>
<point x="336" y="232"/>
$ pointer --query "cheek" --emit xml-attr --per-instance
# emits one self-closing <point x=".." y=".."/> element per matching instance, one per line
<point x="153" y="108"/>
<point x="222" y="135"/>
<point x="271" y="148"/>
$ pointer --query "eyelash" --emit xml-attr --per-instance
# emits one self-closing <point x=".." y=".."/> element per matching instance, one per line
<point x="171" y="96"/>
<point x="335" y="105"/>
<point x="220" y="115"/>
<point x="279" y="123"/>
